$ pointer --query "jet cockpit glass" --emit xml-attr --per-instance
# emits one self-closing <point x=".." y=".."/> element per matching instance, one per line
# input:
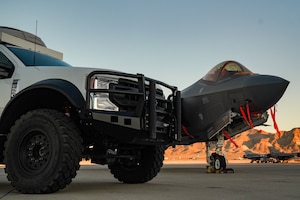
<point x="224" y="70"/>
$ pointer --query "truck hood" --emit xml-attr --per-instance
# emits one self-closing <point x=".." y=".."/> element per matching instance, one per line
<point x="77" y="75"/>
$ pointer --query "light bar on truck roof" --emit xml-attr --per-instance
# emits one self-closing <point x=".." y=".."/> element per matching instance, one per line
<point x="10" y="39"/>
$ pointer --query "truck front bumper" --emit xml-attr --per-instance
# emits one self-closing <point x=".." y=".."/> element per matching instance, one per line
<point x="143" y="115"/>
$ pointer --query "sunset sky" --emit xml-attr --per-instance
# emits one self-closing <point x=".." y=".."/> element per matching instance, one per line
<point x="175" y="41"/>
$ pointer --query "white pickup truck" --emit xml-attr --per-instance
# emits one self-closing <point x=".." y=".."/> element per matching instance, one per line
<point x="52" y="115"/>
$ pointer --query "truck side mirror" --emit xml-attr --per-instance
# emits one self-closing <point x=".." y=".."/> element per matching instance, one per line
<point x="6" y="67"/>
<point x="6" y="70"/>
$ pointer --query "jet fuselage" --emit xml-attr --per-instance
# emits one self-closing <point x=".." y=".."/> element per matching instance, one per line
<point x="214" y="102"/>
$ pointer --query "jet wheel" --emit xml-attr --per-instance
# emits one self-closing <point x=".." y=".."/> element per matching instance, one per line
<point x="218" y="161"/>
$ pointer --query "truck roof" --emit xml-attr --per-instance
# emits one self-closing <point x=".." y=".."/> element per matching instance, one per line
<point x="27" y="41"/>
<point x="22" y="35"/>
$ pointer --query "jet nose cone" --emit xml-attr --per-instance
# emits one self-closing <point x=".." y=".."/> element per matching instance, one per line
<point x="264" y="91"/>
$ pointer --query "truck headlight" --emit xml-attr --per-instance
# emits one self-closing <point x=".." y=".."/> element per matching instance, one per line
<point x="100" y="100"/>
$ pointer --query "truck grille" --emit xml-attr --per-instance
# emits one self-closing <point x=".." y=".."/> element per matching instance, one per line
<point x="138" y="96"/>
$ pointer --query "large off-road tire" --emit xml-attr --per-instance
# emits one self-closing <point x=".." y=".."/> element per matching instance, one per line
<point x="42" y="152"/>
<point x="142" y="169"/>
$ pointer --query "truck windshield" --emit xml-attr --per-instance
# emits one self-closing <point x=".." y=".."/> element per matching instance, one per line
<point x="30" y="58"/>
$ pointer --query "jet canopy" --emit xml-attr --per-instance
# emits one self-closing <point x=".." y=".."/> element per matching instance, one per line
<point x="225" y="70"/>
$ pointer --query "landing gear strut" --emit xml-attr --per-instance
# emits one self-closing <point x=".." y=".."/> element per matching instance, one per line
<point x="216" y="161"/>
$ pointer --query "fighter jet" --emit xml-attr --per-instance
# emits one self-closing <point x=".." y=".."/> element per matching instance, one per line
<point x="255" y="157"/>
<point x="258" y="158"/>
<point x="228" y="100"/>
<point x="274" y="156"/>
<point x="281" y="157"/>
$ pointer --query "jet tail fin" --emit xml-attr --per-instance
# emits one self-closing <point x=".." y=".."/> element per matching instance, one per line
<point x="272" y="149"/>
<point x="246" y="150"/>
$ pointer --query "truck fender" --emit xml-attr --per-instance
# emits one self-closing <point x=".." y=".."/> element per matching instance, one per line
<point x="68" y="89"/>
<point x="18" y="104"/>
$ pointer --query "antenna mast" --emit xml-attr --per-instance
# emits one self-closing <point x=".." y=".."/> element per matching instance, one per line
<point x="36" y="25"/>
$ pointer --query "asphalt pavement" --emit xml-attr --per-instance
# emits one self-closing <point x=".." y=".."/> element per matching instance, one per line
<point x="177" y="181"/>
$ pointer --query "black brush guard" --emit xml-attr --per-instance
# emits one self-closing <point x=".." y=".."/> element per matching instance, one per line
<point x="157" y="115"/>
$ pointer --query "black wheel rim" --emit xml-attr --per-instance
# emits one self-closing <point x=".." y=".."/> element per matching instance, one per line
<point x="130" y="163"/>
<point x="34" y="152"/>
<point x="217" y="164"/>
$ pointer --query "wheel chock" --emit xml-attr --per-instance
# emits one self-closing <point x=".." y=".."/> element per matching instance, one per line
<point x="211" y="169"/>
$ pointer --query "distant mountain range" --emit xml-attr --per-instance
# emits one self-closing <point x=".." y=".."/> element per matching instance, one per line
<point x="251" y="140"/>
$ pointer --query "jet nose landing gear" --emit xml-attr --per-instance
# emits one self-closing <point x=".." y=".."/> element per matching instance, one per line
<point x="217" y="164"/>
<point x="217" y="160"/>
